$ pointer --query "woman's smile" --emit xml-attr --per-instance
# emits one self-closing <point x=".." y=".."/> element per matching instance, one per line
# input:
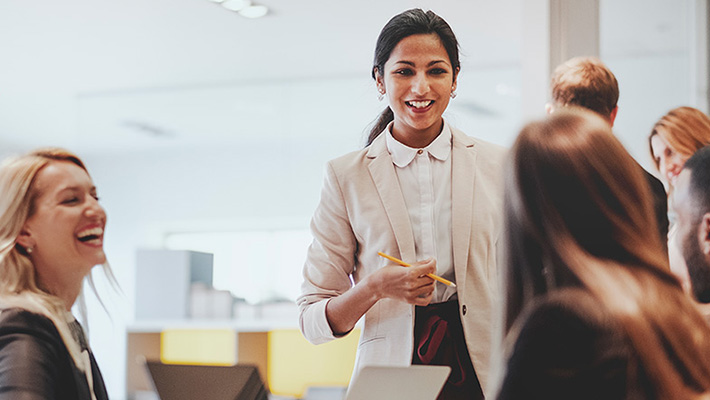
<point x="418" y="80"/>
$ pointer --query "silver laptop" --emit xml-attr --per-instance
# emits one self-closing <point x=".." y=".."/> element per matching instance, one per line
<point x="415" y="382"/>
<point x="199" y="382"/>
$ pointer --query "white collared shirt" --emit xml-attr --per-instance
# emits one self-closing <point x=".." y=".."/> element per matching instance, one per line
<point x="425" y="178"/>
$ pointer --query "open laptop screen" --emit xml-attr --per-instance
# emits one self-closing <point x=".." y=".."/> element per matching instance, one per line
<point x="415" y="382"/>
<point x="193" y="382"/>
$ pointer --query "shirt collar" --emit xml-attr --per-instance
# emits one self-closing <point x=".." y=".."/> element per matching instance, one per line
<point x="402" y="155"/>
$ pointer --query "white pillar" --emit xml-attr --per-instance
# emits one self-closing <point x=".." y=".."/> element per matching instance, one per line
<point x="700" y="54"/>
<point x="554" y="31"/>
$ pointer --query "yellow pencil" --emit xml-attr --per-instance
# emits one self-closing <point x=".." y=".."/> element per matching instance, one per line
<point x="404" y="264"/>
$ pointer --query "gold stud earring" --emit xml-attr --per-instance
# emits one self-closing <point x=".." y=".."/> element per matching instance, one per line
<point x="29" y="250"/>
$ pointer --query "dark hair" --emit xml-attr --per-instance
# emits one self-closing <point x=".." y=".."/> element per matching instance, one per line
<point x="408" y="23"/>
<point x="699" y="166"/>
<point x="577" y="210"/>
<point x="699" y="192"/>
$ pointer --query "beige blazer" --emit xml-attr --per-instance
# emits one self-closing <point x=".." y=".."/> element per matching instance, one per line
<point x="362" y="211"/>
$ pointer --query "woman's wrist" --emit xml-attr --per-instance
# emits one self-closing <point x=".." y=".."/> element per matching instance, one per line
<point x="373" y="287"/>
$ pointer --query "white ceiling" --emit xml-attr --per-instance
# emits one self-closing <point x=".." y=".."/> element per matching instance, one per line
<point x="96" y="74"/>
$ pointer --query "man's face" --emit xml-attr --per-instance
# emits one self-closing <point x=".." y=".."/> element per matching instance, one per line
<point x="689" y="237"/>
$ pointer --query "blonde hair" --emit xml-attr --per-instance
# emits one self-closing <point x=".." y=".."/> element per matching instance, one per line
<point x="18" y="281"/>
<point x="577" y="210"/>
<point x="685" y="129"/>
<point x="585" y="82"/>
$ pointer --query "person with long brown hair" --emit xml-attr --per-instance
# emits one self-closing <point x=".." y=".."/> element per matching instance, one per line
<point x="591" y="309"/>
<point x="51" y="237"/>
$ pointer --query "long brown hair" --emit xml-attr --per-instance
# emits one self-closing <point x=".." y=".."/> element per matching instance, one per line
<point x="577" y="211"/>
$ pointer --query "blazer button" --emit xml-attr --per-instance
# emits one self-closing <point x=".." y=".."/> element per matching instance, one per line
<point x="463" y="309"/>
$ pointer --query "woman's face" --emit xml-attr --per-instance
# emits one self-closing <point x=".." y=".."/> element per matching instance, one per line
<point x="66" y="231"/>
<point x="418" y="80"/>
<point x="670" y="163"/>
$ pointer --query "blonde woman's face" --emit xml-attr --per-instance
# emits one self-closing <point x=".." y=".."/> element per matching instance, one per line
<point x="670" y="162"/>
<point x="66" y="230"/>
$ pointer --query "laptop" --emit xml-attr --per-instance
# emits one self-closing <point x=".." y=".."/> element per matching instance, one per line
<point x="415" y="382"/>
<point x="198" y="382"/>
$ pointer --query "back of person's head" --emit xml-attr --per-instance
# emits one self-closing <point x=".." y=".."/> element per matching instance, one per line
<point x="577" y="212"/>
<point x="17" y="176"/>
<point x="408" y="23"/>
<point x="693" y="210"/>
<point x="585" y="82"/>
<point x="685" y="129"/>
<point x="564" y="195"/>
<point x="699" y="166"/>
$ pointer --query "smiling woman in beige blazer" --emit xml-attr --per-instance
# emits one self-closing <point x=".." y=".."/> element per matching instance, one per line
<point x="421" y="191"/>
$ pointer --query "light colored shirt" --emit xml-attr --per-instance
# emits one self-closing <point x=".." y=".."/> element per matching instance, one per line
<point x="425" y="178"/>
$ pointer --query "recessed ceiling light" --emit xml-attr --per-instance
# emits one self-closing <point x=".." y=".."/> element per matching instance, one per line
<point x="254" y="11"/>
<point x="216" y="1"/>
<point x="236" y="5"/>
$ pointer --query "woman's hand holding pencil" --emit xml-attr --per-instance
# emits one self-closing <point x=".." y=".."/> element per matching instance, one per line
<point x="404" y="264"/>
<point x="411" y="285"/>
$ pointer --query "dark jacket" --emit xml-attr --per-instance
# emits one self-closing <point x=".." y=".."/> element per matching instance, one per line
<point x="36" y="365"/>
<point x="660" y="206"/>
<point x="569" y="348"/>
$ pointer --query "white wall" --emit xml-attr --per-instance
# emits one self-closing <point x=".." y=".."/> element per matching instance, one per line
<point x="653" y="63"/>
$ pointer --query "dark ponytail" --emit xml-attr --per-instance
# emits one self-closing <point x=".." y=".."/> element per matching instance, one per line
<point x="382" y="121"/>
<point x="408" y="23"/>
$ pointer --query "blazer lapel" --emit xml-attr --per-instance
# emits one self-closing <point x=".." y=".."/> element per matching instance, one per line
<point x="383" y="174"/>
<point x="463" y="177"/>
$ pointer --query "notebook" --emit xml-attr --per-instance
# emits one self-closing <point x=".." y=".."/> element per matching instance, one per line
<point x="415" y="382"/>
<point x="198" y="382"/>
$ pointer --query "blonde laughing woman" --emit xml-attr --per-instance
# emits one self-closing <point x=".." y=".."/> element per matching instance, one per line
<point x="51" y="236"/>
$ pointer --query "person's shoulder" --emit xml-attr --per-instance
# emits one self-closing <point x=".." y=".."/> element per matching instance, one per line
<point x="565" y="346"/>
<point x="565" y="311"/>
<point x="483" y="147"/>
<point x="355" y="156"/>
<point x="29" y="335"/>
<point x="567" y="328"/>
<point x="355" y="160"/>
<point x="34" y="359"/>
<point x="655" y="183"/>
<point x="17" y="320"/>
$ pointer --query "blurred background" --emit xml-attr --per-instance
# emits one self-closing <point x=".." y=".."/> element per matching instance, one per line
<point x="208" y="130"/>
